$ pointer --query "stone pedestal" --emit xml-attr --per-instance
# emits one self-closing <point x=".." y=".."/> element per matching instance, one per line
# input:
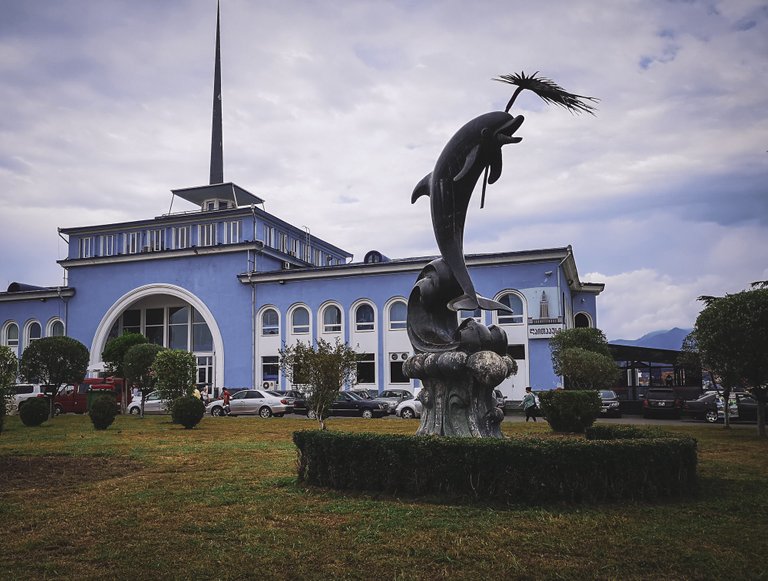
<point x="457" y="394"/>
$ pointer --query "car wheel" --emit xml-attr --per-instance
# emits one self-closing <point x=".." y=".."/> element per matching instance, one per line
<point x="265" y="412"/>
<point x="217" y="411"/>
<point x="311" y="414"/>
<point x="134" y="411"/>
<point x="57" y="409"/>
<point x="711" y="416"/>
<point x="367" y="414"/>
<point x="407" y="414"/>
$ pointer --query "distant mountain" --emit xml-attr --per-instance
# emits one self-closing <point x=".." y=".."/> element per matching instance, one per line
<point x="669" y="339"/>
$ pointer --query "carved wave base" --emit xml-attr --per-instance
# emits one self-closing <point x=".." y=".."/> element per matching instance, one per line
<point x="457" y="394"/>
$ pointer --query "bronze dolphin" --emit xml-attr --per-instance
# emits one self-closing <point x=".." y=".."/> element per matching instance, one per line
<point x="474" y="148"/>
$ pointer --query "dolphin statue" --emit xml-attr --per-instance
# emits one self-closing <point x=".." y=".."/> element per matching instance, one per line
<point x="474" y="149"/>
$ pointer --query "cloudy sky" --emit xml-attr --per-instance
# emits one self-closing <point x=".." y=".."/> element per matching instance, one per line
<point x="333" y="111"/>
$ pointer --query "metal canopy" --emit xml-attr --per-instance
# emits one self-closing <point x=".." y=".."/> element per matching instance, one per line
<point x="226" y="191"/>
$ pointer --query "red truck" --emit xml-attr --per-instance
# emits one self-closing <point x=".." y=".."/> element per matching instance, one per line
<point x="74" y="398"/>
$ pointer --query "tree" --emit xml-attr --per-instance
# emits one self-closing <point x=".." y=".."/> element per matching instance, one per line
<point x="137" y="365"/>
<point x="582" y="357"/>
<point x="114" y="354"/>
<point x="53" y="362"/>
<point x="324" y="369"/>
<point x="731" y="334"/>
<point x="9" y="366"/>
<point x="174" y="370"/>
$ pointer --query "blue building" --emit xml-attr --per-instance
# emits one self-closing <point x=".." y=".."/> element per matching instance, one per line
<point x="232" y="284"/>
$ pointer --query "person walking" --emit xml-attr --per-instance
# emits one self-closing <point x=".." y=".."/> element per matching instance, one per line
<point x="529" y="404"/>
<point x="225" y="396"/>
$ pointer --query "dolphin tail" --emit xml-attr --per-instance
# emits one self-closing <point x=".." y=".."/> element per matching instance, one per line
<point x="469" y="303"/>
<point x="421" y="189"/>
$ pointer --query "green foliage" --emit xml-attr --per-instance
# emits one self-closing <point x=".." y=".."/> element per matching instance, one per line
<point x="103" y="411"/>
<point x="325" y="369"/>
<point x="116" y="349"/>
<point x="582" y="357"/>
<point x="9" y="366"/>
<point x="623" y="432"/>
<point x="187" y="411"/>
<point x="499" y="471"/>
<point x="174" y="370"/>
<point x="570" y="410"/>
<point x="731" y="336"/>
<point x="54" y="361"/>
<point x="137" y="365"/>
<point x="34" y="411"/>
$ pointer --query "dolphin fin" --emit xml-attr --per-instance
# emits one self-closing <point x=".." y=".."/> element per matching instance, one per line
<point x="495" y="166"/>
<point x="421" y="189"/>
<point x="490" y="305"/>
<point x="468" y="163"/>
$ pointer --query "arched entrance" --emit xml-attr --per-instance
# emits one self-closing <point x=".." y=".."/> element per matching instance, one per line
<point x="166" y="297"/>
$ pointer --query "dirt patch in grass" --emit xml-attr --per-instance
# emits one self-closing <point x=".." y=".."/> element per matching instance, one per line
<point x="60" y="472"/>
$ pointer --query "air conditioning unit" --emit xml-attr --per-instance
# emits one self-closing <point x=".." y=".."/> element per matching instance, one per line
<point x="286" y="265"/>
<point x="396" y="356"/>
<point x="268" y="385"/>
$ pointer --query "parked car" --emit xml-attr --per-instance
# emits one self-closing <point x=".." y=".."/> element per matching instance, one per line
<point x="501" y="399"/>
<point x="153" y="404"/>
<point x="409" y="408"/>
<point x="365" y="393"/>
<point x="711" y="407"/>
<point x="291" y="395"/>
<point x="609" y="404"/>
<point x="23" y="392"/>
<point x="392" y="397"/>
<point x="661" y="401"/>
<point x="251" y="402"/>
<point x="351" y="404"/>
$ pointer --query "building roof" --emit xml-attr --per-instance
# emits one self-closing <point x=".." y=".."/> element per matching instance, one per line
<point x="226" y="191"/>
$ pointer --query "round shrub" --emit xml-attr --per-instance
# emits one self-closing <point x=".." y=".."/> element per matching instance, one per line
<point x="103" y="411"/>
<point x="34" y="411"/>
<point x="570" y="410"/>
<point x="187" y="411"/>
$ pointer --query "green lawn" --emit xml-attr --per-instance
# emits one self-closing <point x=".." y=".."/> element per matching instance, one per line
<point x="149" y="500"/>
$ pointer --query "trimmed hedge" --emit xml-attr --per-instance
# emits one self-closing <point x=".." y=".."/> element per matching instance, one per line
<point x="511" y="471"/>
<point x="570" y="410"/>
<point x="187" y="411"/>
<point x="103" y="411"/>
<point x="34" y="411"/>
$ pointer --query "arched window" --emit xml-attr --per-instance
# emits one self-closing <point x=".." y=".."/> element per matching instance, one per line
<point x="300" y="321"/>
<point x="34" y="332"/>
<point x="332" y="319"/>
<point x="364" y="318"/>
<point x="56" y="329"/>
<point x="515" y="303"/>
<point x="270" y="322"/>
<point x="581" y="321"/>
<point x="11" y="337"/>
<point x="398" y="316"/>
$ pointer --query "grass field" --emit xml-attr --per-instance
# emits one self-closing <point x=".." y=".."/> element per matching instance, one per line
<point x="149" y="500"/>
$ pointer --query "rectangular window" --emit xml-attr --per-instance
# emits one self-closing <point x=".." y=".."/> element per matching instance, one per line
<point x="108" y="245"/>
<point x="86" y="250"/>
<point x="133" y="242"/>
<point x="294" y="247"/>
<point x="269" y="236"/>
<point x="132" y="321"/>
<point x="516" y="351"/>
<point x="396" y="374"/>
<point x="206" y="235"/>
<point x="317" y="258"/>
<point x="307" y="252"/>
<point x="366" y="368"/>
<point x="181" y="237"/>
<point x="232" y="232"/>
<point x="178" y="328"/>
<point x="283" y="242"/>
<point x="154" y="325"/>
<point x="270" y="368"/>
<point x="202" y="340"/>
<point x="156" y="240"/>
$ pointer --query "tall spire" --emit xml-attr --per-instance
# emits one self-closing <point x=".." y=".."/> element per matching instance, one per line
<point x="217" y="145"/>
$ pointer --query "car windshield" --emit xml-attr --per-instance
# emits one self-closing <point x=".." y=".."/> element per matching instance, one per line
<point x="607" y="394"/>
<point x="355" y="395"/>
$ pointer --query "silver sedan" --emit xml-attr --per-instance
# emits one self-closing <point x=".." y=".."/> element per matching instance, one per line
<point x="251" y="402"/>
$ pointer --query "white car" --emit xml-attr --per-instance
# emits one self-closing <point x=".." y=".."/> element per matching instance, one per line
<point x="409" y="408"/>
<point x="23" y="392"/>
<point x="153" y="404"/>
<point x="251" y="402"/>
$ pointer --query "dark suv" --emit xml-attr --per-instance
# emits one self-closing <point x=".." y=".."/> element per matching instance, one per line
<point x="661" y="401"/>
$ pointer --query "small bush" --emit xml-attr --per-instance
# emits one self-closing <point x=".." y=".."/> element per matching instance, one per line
<point x="570" y="410"/>
<point x="510" y="471"/>
<point x="103" y="411"/>
<point x="34" y="411"/>
<point x="187" y="411"/>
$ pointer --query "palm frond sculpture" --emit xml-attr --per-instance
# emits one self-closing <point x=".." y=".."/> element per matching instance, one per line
<point x="549" y="91"/>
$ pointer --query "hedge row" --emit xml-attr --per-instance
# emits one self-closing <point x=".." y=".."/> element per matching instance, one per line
<point x="500" y="471"/>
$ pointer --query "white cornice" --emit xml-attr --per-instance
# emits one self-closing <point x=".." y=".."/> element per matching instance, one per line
<point x="38" y="295"/>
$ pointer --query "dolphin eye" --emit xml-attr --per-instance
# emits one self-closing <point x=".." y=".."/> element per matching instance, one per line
<point x="484" y="132"/>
